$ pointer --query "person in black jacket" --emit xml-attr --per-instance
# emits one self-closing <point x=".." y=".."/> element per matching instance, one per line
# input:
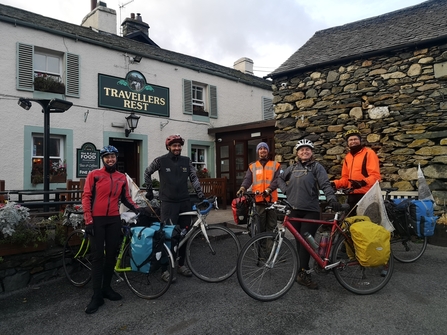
<point x="174" y="171"/>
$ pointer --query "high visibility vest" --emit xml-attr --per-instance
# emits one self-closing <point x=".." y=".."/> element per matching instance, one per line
<point x="262" y="178"/>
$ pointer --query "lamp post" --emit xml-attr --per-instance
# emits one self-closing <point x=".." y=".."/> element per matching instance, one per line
<point x="48" y="106"/>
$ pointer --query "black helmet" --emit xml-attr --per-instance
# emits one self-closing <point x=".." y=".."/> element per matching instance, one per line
<point x="107" y="150"/>
<point x="353" y="132"/>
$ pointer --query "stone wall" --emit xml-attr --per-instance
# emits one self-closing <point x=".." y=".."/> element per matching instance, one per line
<point x="398" y="101"/>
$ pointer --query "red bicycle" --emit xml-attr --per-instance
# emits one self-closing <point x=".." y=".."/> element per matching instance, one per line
<point x="267" y="275"/>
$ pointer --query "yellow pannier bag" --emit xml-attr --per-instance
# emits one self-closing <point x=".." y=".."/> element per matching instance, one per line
<point x="347" y="224"/>
<point x="371" y="243"/>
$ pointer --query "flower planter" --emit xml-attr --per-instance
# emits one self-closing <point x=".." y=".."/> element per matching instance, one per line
<point x="8" y="249"/>
<point x="60" y="178"/>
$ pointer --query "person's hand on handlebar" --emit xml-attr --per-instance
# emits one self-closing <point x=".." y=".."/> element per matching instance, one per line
<point x="267" y="192"/>
<point x="241" y="191"/>
<point x="356" y="184"/>
<point x="336" y="206"/>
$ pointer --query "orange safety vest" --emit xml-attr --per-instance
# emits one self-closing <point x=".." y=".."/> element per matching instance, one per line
<point x="262" y="178"/>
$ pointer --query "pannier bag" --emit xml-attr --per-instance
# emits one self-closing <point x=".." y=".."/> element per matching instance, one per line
<point x="172" y="236"/>
<point x="371" y="243"/>
<point x="419" y="216"/>
<point x="240" y="210"/>
<point x="346" y="224"/>
<point x="146" y="248"/>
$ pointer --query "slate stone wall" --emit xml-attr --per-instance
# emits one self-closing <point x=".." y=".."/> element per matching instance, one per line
<point x="397" y="100"/>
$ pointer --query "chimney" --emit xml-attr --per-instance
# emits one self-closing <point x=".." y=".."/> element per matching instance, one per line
<point x="135" y="24"/>
<point x="92" y="4"/>
<point x="100" y="18"/>
<point x="244" y="65"/>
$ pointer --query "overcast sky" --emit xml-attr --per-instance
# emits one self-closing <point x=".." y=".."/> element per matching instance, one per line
<point x="266" y="31"/>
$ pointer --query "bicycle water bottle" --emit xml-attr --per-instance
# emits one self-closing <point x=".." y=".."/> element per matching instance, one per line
<point x="311" y="240"/>
<point x="323" y="244"/>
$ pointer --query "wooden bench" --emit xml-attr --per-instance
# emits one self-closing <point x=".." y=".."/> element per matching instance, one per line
<point x="215" y="187"/>
<point x="401" y="195"/>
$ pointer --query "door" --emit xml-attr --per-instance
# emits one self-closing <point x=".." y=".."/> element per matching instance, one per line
<point x="128" y="158"/>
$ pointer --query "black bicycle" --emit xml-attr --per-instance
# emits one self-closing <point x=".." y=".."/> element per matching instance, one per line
<point x="406" y="245"/>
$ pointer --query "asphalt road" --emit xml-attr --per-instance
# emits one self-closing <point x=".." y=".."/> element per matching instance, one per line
<point x="414" y="302"/>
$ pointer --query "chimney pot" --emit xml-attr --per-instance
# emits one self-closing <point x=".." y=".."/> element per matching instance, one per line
<point x="139" y="18"/>
<point x="132" y="16"/>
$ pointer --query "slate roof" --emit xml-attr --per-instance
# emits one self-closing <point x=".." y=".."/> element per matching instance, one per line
<point x="420" y="24"/>
<point x="34" y="21"/>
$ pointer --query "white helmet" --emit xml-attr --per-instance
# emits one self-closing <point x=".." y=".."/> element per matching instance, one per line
<point x="304" y="143"/>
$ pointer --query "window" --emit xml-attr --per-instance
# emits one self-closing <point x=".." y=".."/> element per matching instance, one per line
<point x="199" y="159"/>
<point x="47" y="70"/>
<point x="58" y="168"/>
<point x="199" y="100"/>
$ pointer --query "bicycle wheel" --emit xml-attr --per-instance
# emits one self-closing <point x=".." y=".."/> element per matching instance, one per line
<point x="261" y="278"/>
<point x="214" y="261"/>
<point x="148" y="285"/>
<point x="356" y="278"/>
<point x="408" y="249"/>
<point x="76" y="258"/>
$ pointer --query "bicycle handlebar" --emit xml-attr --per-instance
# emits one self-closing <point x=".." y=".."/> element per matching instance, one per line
<point x="211" y="202"/>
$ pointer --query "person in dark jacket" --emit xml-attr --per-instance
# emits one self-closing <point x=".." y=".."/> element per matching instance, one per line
<point x="103" y="190"/>
<point x="301" y="182"/>
<point x="174" y="171"/>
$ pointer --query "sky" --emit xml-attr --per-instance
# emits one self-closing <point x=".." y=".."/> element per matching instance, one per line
<point x="268" y="32"/>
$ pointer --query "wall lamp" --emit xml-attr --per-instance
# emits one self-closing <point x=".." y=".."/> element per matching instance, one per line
<point x="135" y="59"/>
<point x="132" y="123"/>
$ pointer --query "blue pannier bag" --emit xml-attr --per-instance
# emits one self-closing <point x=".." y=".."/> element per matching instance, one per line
<point x="146" y="248"/>
<point x="172" y="236"/>
<point x="419" y="215"/>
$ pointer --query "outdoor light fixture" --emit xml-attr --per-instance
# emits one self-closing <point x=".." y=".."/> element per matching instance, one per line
<point x="132" y="123"/>
<point x="135" y="59"/>
<point x="48" y="106"/>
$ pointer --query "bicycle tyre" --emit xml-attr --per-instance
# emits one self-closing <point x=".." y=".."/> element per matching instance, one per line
<point x="356" y="278"/>
<point x="76" y="258"/>
<point x="408" y="250"/>
<point x="148" y="285"/>
<point x="216" y="261"/>
<point x="259" y="280"/>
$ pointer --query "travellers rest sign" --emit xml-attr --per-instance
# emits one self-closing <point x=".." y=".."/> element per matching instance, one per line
<point x="133" y="93"/>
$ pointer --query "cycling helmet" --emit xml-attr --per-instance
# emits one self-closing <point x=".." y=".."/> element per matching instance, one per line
<point x="304" y="143"/>
<point x="174" y="139"/>
<point x="352" y="132"/>
<point x="107" y="150"/>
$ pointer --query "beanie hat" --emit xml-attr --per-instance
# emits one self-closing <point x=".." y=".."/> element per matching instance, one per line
<point x="262" y="145"/>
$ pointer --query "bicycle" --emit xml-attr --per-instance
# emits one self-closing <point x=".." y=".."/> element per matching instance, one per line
<point x="211" y="250"/>
<point x="268" y="276"/>
<point x="77" y="264"/>
<point x="406" y="246"/>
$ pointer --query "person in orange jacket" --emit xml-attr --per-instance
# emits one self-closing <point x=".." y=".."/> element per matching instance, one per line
<point x="360" y="168"/>
<point x="262" y="176"/>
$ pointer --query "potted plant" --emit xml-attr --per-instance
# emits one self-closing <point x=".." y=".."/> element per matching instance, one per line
<point x="48" y="83"/>
<point x="18" y="232"/>
<point x="203" y="173"/>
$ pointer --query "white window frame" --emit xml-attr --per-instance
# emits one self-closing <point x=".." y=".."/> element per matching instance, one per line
<point x="199" y="156"/>
<point x="53" y="158"/>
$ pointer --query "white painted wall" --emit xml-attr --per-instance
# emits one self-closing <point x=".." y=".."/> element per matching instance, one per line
<point x="237" y="103"/>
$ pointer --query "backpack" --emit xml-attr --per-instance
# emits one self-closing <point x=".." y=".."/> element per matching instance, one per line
<point x="240" y="210"/>
<point x="371" y="243"/>
<point x="419" y="216"/>
<point x="146" y="248"/>
<point x="398" y="218"/>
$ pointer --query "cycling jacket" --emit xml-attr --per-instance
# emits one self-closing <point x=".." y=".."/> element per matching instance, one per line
<point x="364" y="165"/>
<point x="102" y="193"/>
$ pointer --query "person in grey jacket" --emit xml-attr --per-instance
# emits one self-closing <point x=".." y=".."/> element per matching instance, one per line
<point x="301" y="182"/>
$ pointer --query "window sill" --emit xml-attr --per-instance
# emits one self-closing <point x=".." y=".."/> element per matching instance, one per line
<point x="47" y="95"/>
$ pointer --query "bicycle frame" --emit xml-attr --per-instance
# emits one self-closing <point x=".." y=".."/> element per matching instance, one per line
<point x="200" y="223"/>
<point x="335" y="228"/>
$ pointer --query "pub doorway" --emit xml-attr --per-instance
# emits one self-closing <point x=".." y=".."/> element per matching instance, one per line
<point x="129" y="157"/>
